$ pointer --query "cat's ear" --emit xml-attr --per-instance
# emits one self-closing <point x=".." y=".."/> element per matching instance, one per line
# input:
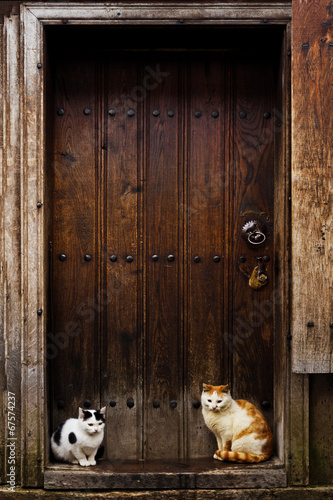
<point x="205" y="387"/>
<point x="225" y="388"/>
<point x="102" y="410"/>
<point x="81" y="413"/>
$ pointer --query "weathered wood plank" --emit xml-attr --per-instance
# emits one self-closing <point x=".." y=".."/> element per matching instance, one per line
<point x="321" y="429"/>
<point x="253" y="193"/>
<point x="312" y="187"/>
<point x="2" y="262"/>
<point x="163" y="354"/>
<point x="172" y="12"/>
<point x="122" y="328"/>
<point x="11" y="237"/>
<point x="33" y="323"/>
<point x="298" y="412"/>
<point x="206" y="359"/>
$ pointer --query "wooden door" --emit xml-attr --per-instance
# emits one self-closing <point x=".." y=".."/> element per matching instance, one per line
<point x="159" y="160"/>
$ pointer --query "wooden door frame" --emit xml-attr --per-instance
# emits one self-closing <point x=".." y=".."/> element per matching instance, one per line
<point x="291" y="392"/>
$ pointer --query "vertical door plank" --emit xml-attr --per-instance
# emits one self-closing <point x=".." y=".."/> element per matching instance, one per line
<point x="163" y="355"/>
<point x="252" y="197"/>
<point x="121" y="331"/>
<point x="312" y="186"/>
<point x="73" y="345"/>
<point x="205" y="233"/>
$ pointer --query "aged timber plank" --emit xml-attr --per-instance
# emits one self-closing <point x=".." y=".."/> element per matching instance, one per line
<point x="312" y="185"/>
<point x="11" y="300"/>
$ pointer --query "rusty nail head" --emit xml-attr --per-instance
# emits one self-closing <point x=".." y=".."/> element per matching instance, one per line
<point x="64" y="21"/>
<point x="112" y="112"/>
<point x="130" y="112"/>
<point x="173" y="404"/>
<point x="39" y="65"/>
<point x="242" y="114"/>
<point x="113" y="258"/>
<point x="112" y="403"/>
<point x="39" y="204"/>
<point x="197" y="114"/>
<point x="40" y="312"/>
<point x="60" y="112"/>
<point x="242" y="258"/>
<point x="87" y="111"/>
<point x="310" y="324"/>
<point x="305" y="46"/>
<point x="267" y="115"/>
<point x="215" y="114"/>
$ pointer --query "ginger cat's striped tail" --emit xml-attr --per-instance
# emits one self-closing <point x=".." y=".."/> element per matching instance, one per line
<point x="240" y="457"/>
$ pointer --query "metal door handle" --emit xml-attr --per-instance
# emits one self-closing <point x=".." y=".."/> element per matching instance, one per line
<point x="254" y="232"/>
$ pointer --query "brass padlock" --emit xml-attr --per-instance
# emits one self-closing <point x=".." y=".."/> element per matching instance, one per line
<point x="257" y="280"/>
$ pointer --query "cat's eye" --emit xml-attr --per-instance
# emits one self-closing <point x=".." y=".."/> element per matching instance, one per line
<point x="219" y="401"/>
<point x="91" y="425"/>
<point x="209" y="400"/>
<point x="100" y="423"/>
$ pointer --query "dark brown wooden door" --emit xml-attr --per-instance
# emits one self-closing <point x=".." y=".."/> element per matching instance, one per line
<point x="159" y="159"/>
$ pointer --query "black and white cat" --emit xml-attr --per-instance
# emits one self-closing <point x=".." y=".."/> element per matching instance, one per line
<point x="77" y="439"/>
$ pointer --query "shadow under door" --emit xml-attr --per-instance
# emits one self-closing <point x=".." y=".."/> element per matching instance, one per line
<point x="158" y="161"/>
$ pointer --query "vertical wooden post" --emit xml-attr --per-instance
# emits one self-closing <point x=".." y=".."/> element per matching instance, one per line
<point x="32" y="263"/>
<point x="312" y="186"/>
<point x="10" y="309"/>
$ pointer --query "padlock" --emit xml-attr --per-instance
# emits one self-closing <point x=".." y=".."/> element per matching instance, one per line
<point x="256" y="281"/>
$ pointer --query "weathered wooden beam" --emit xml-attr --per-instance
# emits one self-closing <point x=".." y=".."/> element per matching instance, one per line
<point x="312" y="187"/>
<point x="175" y="13"/>
<point x="33" y="262"/>
<point x="11" y="248"/>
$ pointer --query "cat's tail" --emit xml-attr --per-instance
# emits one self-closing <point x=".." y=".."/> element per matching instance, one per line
<point x="240" y="457"/>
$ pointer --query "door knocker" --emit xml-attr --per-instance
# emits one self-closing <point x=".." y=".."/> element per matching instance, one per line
<point x="254" y="232"/>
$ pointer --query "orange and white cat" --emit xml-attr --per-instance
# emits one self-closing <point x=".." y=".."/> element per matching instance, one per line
<point x="242" y="432"/>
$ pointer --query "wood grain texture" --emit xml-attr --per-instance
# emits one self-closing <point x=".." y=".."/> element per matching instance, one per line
<point x="252" y="198"/>
<point x="206" y="173"/>
<point x="121" y="364"/>
<point x="161" y="187"/>
<point x="32" y="261"/>
<point x="73" y="344"/>
<point x="312" y="187"/>
<point x="163" y="354"/>
<point x="321" y="429"/>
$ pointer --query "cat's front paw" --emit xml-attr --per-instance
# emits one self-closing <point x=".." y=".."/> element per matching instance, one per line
<point x="92" y="462"/>
<point x="84" y="462"/>
<point x="217" y="457"/>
